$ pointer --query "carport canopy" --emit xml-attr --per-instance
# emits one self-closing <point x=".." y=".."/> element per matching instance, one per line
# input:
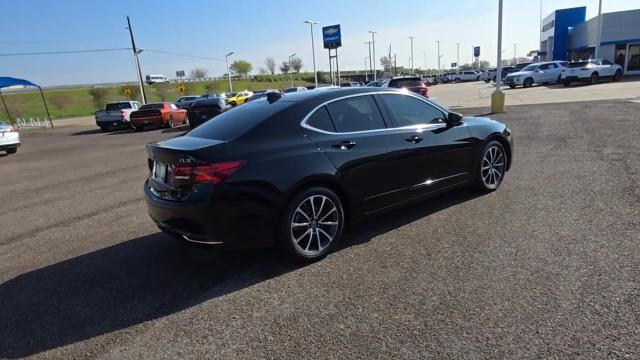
<point x="6" y="81"/>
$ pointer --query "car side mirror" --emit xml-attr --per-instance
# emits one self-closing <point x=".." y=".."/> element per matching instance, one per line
<point x="454" y="118"/>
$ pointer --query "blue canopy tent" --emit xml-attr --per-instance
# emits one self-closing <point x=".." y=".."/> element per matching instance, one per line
<point x="9" y="81"/>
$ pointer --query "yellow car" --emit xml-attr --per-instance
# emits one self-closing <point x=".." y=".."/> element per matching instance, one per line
<point x="239" y="98"/>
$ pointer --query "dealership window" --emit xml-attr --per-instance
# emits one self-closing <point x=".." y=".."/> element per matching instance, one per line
<point x="620" y="54"/>
<point x="634" y="58"/>
<point x="583" y="54"/>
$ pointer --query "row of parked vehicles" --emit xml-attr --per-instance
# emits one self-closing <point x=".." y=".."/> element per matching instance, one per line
<point x="557" y="72"/>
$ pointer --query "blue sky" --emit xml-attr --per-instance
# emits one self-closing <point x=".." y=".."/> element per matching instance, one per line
<point x="255" y="30"/>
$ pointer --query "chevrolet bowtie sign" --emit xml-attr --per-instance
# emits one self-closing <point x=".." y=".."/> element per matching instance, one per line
<point x="331" y="37"/>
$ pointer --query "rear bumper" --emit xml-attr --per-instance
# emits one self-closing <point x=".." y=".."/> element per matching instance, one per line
<point x="9" y="145"/>
<point x="148" y="121"/>
<point x="575" y="78"/>
<point x="222" y="218"/>
<point x="112" y="123"/>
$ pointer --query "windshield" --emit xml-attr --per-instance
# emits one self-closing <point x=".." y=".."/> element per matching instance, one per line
<point x="530" y="67"/>
<point x="401" y="83"/>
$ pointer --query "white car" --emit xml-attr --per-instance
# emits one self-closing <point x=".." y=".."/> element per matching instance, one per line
<point x="537" y="73"/>
<point x="591" y="71"/>
<point x="9" y="138"/>
<point x="467" y="75"/>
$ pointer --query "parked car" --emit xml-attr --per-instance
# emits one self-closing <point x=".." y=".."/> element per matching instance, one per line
<point x="205" y="109"/>
<point x="116" y="114"/>
<point x="9" y="138"/>
<point x="152" y="79"/>
<point x="295" y="171"/>
<point x="239" y="98"/>
<point x="591" y="71"/>
<point x="158" y="114"/>
<point x="294" y="89"/>
<point x="185" y="101"/>
<point x="411" y="83"/>
<point x="536" y="73"/>
<point x="491" y="74"/>
<point x="467" y="75"/>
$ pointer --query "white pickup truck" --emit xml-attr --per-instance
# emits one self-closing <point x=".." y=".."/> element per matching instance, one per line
<point x="116" y="114"/>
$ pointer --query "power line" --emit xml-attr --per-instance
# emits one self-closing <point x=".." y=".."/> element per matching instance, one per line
<point x="183" y="55"/>
<point x="63" y="52"/>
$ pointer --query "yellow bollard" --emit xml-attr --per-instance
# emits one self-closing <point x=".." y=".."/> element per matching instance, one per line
<point x="497" y="102"/>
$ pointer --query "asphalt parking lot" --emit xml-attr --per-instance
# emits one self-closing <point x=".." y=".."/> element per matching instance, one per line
<point x="546" y="267"/>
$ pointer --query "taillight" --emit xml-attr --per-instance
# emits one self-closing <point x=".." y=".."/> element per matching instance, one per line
<point x="424" y="91"/>
<point x="200" y="174"/>
<point x="122" y="114"/>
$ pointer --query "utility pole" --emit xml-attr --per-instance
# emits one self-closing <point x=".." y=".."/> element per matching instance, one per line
<point x="226" y="58"/>
<point x="599" y="38"/>
<point x="412" y="67"/>
<point x="313" y="50"/>
<point x="370" y="58"/>
<point x="290" y="69"/>
<point x="135" y="56"/>
<point x="515" y="57"/>
<point x="373" y="41"/>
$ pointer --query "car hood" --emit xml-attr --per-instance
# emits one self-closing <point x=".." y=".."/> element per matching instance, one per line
<point x="519" y="73"/>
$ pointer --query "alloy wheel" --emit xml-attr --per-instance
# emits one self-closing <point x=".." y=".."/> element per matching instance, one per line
<point x="314" y="225"/>
<point x="493" y="167"/>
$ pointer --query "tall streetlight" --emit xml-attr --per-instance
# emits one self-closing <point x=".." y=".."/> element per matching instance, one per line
<point x="366" y="73"/>
<point x="313" y="49"/>
<point x="458" y="57"/>
<point x="373" y="41"/>
<point x="226" y="57"/>
<point x="290" y="69"/>
<point x="599" y="33"/>
<point x="412" y="67"/>
<point x="515" y="57"/>
<point x="497" y="98"/>
<point x="370" y="58"/>
<point x="438" y="41"/>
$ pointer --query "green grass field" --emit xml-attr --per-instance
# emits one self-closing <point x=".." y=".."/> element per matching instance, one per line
<point x="29" y="104"/>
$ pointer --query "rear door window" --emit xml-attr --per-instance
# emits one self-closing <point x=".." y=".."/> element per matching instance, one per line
<point x="358" y="113"/>
<point x="321" y="120"/>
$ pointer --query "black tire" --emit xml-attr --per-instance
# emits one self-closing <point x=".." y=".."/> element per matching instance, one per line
<point x="559" y="80"/>
<point x="170" y="123"/>
<point x="566" y="83"/>
<point x="528" y="82"/>
<point x="138" y="128"/>
<point x="483" y="178"/>
<point x="512" y="86"/>
<point x="298" y="221"/>
<point x="457" y="80"/>
<point x="494" y="79"/>
<point x="478" y="78"/>
<point x="487" y="81"/>
<point x="618" y="75"/>
<point x="12" y="150"/>
<point x="594" y="78"/>
<point x="233" y="104"/>
<point x="104" y="128"/>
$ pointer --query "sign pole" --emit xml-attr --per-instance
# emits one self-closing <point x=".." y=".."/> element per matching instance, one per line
<point x="337" y="68"/>
<point x="498" y="98"/>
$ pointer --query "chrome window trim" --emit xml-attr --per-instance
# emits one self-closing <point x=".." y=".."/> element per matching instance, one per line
<point x="304" y="124"/>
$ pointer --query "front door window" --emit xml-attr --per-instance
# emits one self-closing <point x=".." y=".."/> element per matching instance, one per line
<point x="620" y="54"/>
<point x="634" y="58"/>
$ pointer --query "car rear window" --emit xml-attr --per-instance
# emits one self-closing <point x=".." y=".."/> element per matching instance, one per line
<point x="577" y="64"/>
<point x="410" y="82"/>
<point x="152" y="106"/>
<point x="233" y="123"/>
<point x="118" y="106"/>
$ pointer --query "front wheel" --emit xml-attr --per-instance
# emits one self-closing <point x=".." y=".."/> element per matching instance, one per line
<point x="528" y="82"/>
<point x="12" y="150"/>
<point x="493" y="165"/>
<point x="512" y="86"/>
<point x="312" y="224"/>
<point x="559" y="79"/>
<point x="617" y="76"/>
<point x="594" y="78"/>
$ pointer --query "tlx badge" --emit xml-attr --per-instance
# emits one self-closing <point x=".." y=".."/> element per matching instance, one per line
<point x="186" y="160"/>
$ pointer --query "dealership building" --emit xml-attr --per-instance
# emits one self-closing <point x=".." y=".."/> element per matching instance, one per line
<point x="566" y="34"/>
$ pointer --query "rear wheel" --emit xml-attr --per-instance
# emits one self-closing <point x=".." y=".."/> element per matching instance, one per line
<point x="478" y="78"/>
<point x="12" y="150"/>
<point x="312" y="224"/>
<point x="104" y="128"/>
<point x="618" y="75"/>
<point x="528" y="82"/>
<point x="594" y="78"/>
<point x="170" y="122"/>
<point x="138" y="128"/>
<point x="493" y="165"/>
<point x="566" y="83"/>
<point x="559" y="79"/>
<point x="512" y="86"/>
<point x="487" y="80"/>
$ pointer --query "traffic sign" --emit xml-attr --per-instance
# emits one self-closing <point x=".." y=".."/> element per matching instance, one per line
<point x="331" y="37"/>
<point x="453" y="65"/>
<point x="181" y="88"/>
<point x="476" y="51"/>
<point x="127" y="91"/>
<point x="180" y="73"/>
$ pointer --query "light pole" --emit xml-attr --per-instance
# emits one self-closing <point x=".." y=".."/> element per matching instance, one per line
<point x="497" y="98"/>
<point x="438" y="41"/>
<point x="458" y="57"/>
<point x="313" y="49"/>
<point x="290" y="69"/>
<point x="370" y="58"/>
<point x="515" y="57"/>
<point x="412" y="67"/>
<point x="599" y="34"/>
<point x="226" y="57"/>
<point x="373" y="41"/>
<point x="366" y="73"/>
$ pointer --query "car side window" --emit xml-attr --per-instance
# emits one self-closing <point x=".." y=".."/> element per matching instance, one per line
<point x="358" y="113"/>
<point x="543" y="67"/>
<point x="406" y="110"/>
<point x="606" y="62"/>
<point x="321" y="120"/>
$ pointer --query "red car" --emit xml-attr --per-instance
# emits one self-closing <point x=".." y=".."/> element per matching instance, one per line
<point x="411" y="83"/>
<point x="164" y="114"/>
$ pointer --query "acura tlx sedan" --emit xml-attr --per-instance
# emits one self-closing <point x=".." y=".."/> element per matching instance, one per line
<point x="293" y="170"/>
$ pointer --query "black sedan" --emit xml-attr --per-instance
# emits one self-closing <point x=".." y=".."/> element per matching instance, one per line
<point x="204" y="109"/>
<point x="295" y="169"/>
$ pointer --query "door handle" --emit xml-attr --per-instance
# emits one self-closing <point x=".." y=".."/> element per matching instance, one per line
<point x="414" y="139"/>
<point x="344" y="145"/>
